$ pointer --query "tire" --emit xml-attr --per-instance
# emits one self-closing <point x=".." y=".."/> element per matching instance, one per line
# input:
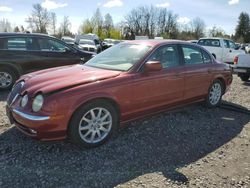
<point x="215" y="94"/>
<point x="87" y="130"/>
<point x="244" y="77"/>
<point x="7" y="78"/>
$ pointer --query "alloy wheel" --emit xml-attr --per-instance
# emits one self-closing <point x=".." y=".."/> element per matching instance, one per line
<point x="5" y="79"/>
<point x="215" y="94"/>
<point x="95" y="125"/>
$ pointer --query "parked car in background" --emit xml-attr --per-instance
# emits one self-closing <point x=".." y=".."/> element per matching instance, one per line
<point x="70" y="41"/>
<point x="87" y="45"/>
<point x="22" y="53"/>
<point x="193" y="41"/>
<point x="247" y="48"/>
<point x="92" y="37"/>
<point x="242" y="66"/>
<point x="141" y="37"/>
<point x="88" y="102"/>
<point x="223" y="50"/>
<point x="158" y="38"/>
<point x="107" y="43"/>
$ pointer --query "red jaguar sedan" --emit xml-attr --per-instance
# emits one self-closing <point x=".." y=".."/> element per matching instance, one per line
<point x="87" y="103"/>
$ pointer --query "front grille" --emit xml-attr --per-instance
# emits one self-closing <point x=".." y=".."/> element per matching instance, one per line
<point x="91" y="49"/>
<point x="16" y="90"/>
<point x="86" y="49"/>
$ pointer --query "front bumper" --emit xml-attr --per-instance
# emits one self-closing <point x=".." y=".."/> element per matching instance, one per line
<point x="43" y="128"/>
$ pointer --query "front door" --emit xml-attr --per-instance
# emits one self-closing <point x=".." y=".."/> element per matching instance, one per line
<point x="152" y="90"/>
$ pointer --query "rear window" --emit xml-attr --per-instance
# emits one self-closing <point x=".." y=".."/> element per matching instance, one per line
<point x="209" y="42"/>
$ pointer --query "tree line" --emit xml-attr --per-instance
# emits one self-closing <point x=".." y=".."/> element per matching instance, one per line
<point x="148" y="21"/>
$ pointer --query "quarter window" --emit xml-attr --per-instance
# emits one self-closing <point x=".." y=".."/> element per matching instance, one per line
<point x="206" y="57"/>
<point x="167" y="55"/>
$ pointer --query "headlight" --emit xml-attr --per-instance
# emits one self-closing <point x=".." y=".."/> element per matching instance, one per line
<point x="37" y="103"/>
<point x="24" y="101"/>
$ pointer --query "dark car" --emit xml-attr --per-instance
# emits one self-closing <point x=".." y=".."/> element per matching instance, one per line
<point x="87" y="103"/>
<point x="22" y="53"/>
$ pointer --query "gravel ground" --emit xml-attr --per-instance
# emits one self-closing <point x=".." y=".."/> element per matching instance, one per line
<point x="193" y="147"/>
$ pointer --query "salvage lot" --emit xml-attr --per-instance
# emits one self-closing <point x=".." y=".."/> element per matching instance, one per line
<point x="192" y="147"/>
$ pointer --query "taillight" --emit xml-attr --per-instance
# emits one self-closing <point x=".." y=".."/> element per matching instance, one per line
<point x="236" y="60"/>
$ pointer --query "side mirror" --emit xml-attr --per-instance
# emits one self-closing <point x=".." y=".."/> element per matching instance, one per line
<point x="152" y="66"/>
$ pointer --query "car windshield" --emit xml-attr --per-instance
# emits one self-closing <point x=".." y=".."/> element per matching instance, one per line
<point x="120" y="57"/>
<point x="87" y="42"/>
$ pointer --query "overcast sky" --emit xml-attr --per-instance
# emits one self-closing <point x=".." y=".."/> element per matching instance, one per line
<point x="221" y="13"/>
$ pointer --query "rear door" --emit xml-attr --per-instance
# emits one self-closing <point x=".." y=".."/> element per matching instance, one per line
<point x="198" y="71"/>
<point x="54" y="53"/>
<point x="15" y="50"/>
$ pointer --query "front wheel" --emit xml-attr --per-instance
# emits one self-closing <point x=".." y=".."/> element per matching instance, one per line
<point x="7" y="78"/>
<point x="215" y="94"/>
<point x="93" y="124"/>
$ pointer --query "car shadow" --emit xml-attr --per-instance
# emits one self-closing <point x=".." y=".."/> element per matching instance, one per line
<point x="162" y="143"/>
<point x="3" y="95"/>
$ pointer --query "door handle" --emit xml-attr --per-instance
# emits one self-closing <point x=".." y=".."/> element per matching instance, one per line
<point x="209" y="70"/>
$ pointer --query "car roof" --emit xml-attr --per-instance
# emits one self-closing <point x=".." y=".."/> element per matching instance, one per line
<point x="155" y="42"/>
<point x="218" y="38"/>
<point x="24" y="34"/>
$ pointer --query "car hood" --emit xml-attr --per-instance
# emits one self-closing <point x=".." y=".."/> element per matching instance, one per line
<point x="55" y="79"/>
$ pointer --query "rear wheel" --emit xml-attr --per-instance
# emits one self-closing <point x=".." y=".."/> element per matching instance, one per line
<point x="93" y="124"/>
<point x="7" y="78"/>
<point x="244" y="77"/>
<point x="215" y="94"/>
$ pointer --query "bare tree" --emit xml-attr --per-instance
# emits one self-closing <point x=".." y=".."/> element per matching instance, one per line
<point x="198" y="27"/>
<point x="216" y="32"/>
<point x="53" y="22"/>
<point x="39" y="20"/>
<point x="108" y="24"/>
<point x="97" y="22"/>
<point x="5" y="26"/>
<point x="152" y="21"/>
<point x="65" y="26"/>
<point x="22" y="28"/>
<point x="16" y="29"/>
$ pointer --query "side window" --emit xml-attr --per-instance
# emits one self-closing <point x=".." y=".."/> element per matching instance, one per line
<point x="16" y="44"/>
<point x="192" y="55"/>
<point x="167" y="55"/>
<point x="226" y="44"/>
<point x="232" y="45"/>
<point x="49" y="45"/>
<point x="206" y="57"/>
